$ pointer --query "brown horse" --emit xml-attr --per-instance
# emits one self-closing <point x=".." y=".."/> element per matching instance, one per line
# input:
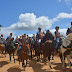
<point x="31" y="44"/>
<point x="47" y="49"/>
<point x="23" y="54"/>
<point x="37" y="50"/>
<point x="2" y="48"/>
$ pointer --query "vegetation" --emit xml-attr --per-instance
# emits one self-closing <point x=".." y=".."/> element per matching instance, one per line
<point x="0" y="25"/>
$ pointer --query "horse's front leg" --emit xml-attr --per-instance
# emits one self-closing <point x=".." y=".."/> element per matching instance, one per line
<point x="31" y="53"/>
<point x="10" y="57"/>
<point x="23" y="62"/>
<point x="13" y="57"/>
<point x="49" y="62"/>
<point x="26" y="62"/>
<point x="63" y="62"/>
<point x="68" y="58"/>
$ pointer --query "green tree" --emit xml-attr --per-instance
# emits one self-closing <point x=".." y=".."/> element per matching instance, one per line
<point x="0" y="25"/>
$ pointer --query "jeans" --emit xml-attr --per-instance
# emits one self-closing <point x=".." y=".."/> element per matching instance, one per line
<point x="57" y="43"/>
<point x="20" y="48"/>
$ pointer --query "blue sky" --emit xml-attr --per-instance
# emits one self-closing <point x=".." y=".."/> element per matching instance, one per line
<point x="11" y="10"/>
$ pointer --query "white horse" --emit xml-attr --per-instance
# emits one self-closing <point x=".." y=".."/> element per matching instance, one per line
<point x="66" y="49"/>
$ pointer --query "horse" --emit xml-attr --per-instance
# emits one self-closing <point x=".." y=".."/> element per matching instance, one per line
<point x="37" y="49"/>
<point x="10" y="48"/>
<point x="23" y="54"/>
<point x="31" y="44"/>
<point x="65" y="49"/>
<point x="47" y="49"/>
<point x="48" y="36"/>
<point x="48" y="46"/>
<point x="2" y="48"/>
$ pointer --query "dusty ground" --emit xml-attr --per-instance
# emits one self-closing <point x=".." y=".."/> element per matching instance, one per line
<point x="33" y="65"/>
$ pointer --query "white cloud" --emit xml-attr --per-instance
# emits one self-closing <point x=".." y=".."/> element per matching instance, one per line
<point x="62" y="16"/>
<point x="6" y="32"/>
<point x="29" y="21"/>
<point x="30" y="35"/>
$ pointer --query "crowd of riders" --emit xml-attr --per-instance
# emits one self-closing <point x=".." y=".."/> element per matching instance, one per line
<point x="39" y="36"/>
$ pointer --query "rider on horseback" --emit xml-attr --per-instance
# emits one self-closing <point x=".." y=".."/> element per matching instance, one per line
<point x="40" y="35"/>
<point x="2" y="40"/>
<point x="20" y="44"/>
<point x="57" y="37"/>
<point x="10" y="42"/>
<point x="10" y="38"/>
<point x="69" y="30"/>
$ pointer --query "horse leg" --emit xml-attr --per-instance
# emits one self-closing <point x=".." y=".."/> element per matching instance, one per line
<point x="63" y="62"/>
<point x="60" y="55"/>
<point x="10" y="57"/>
<point x="13" y="57"/>
<point x="26" y="62"/>
<point x="37" y="58"/>
<point x="31" y="53"/>
<point x="19" y="60"/>
<point x="23" y="63"/>
<point x="52" y="56"/>
<point x="49" y="61"/>
<point x="68" y="58"/>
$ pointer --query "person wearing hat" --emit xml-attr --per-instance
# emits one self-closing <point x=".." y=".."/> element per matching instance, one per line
<point x="11" y="38"/>
<point x="57" y="37"/>
<point x="40" y="35"/>
<point x="2" y="40"/>
<point x="69" y="30"/>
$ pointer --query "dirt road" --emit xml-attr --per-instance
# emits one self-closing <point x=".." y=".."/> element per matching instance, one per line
<point x="33" y="65"/>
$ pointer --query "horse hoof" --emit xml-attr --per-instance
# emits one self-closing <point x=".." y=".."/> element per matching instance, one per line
<point x="51" y="67"/>
<point x="52" y="58"/>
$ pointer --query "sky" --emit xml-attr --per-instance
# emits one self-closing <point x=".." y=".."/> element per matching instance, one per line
<point x="25" y="16"/>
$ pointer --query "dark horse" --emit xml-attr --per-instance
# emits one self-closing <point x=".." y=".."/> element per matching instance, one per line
<point x="37" y="49"/>
<point x="10" y="48"/>
<point x="48" y="46"/>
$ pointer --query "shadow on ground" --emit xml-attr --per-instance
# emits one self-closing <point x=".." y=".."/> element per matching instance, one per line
<point x="13" y="69"/>
<point x="36" y="66"/>
<point x="59" y="67"/>
<point x="2" y="63"/>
